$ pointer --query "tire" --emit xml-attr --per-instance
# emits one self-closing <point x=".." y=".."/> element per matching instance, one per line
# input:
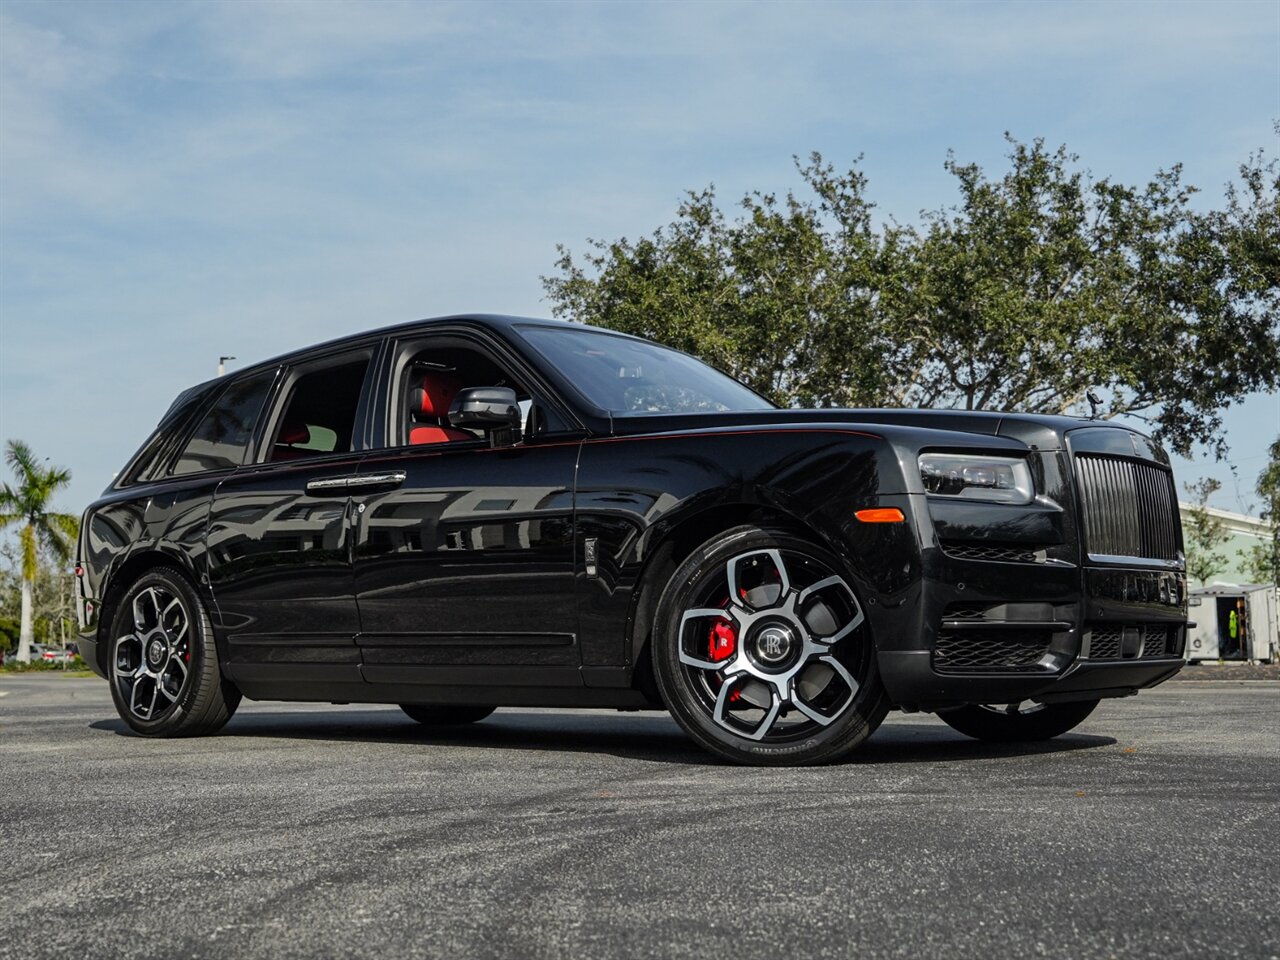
<point x="162" y="662"/>
<point x="762" y="654"/>
<point x="445" y="716"/>
<point x="1018" y="722"/>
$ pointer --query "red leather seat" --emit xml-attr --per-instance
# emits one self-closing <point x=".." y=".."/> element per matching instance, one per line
<point x="290" y="435"/>
<point x="429" y="401"/>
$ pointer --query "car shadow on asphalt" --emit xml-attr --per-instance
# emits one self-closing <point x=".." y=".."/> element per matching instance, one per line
<point x="650" y="736"/>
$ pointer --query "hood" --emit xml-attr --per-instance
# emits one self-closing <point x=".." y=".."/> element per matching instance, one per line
<point x="1037" y="430"/>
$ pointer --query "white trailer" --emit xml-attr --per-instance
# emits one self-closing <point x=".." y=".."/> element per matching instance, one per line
<point x="1235" y="622"/>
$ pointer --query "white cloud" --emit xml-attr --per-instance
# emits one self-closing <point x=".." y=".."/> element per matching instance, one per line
<point x="179" y="180"/>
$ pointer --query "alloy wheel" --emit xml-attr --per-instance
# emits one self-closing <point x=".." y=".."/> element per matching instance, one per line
<point x="150" y="665"/>
<point x="764" y="649"/>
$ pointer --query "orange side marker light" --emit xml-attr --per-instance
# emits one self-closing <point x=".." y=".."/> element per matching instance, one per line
<point x="881" y="515"/>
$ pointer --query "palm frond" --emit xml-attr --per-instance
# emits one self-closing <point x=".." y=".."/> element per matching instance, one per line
<point x="20" y="457"/>
<point x="36" y="484"/>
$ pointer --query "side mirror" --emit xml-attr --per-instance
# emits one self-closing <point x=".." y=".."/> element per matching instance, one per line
<point x="492" y="409"/>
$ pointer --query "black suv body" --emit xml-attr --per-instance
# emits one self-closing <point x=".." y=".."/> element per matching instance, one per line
<point x="481" y="511"/>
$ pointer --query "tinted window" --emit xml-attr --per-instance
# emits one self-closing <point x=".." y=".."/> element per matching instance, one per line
<point x="320" y="412"/>
<point x="626" y="376"/>
<point x="150" y="461"/>
<point x="219" y="442"/>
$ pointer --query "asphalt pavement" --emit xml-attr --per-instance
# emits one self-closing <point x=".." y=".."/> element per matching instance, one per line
<point x="317" y="831"/>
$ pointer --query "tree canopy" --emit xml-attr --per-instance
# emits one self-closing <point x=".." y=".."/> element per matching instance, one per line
<point x="1262" y="561"/>
<point x="1038" y="286"/>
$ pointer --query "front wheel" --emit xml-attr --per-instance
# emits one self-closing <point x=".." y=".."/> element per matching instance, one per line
<point x="165" y="678"/>
<point x="1018" y="722"/>
<point x="762" y="653"/>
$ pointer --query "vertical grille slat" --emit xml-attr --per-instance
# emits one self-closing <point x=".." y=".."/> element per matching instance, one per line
<point x="1129" y="508"/>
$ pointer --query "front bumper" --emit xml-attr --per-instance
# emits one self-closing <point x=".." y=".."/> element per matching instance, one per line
<point x="914" y="684"/>
<point x="1024" y="621"/>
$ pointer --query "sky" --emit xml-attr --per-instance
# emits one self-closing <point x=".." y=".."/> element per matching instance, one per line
<point x="181" y="181"/>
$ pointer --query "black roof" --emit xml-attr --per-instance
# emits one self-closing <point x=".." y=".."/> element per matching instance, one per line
<point x="494" y="321"/>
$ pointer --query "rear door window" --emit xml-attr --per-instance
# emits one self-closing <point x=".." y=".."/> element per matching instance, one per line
<point x="321" y="410"/>
<point x="223" y="435"/>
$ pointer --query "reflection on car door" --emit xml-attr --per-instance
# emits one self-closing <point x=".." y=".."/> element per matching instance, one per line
<point x="280" y="572"/>
<point x="279" y="537"/>
<point x="464" y="572"/>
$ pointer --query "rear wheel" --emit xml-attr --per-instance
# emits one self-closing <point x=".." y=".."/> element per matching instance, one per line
<point x="1018" y="722"/>
<point x="762" y="654"/>
<point x="442" y="716"/>
<point x="165" y="679"/>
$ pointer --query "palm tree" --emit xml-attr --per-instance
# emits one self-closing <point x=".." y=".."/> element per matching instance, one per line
<point x="28" y="504"/>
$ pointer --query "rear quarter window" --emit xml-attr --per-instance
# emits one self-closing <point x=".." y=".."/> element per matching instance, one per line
<point x="220" y="440"/>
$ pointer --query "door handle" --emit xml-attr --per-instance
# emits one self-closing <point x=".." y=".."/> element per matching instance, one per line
<point x="327" y="484"/>
<point x="362" y="480"/>
<point x="356" y="481"/>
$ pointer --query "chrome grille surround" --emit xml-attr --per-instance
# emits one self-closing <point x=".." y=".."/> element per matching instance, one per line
<point x="1129" y="509"/>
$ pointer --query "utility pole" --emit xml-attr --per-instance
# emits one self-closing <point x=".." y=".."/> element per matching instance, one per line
<point x="222" y="365"/>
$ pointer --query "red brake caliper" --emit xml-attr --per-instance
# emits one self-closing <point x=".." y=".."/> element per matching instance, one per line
<point x="724" y="641"/>
<point x="723" y="644"/>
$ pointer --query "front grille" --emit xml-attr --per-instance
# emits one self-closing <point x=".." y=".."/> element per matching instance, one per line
<point x="965" y="611"/>
<point x="1130" y="508"/>
<point x="1006" y="553"/>
<point x="1105" y="644"/>
<point x="1155" y="640"/>
<point x="966" y="650"/>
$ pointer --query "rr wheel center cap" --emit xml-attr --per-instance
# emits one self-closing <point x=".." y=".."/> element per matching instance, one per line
<point x="773" y="645"/>
<point x="156" y="652"/>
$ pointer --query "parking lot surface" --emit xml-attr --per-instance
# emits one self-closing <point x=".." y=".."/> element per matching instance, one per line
<point x="307" y="830"/>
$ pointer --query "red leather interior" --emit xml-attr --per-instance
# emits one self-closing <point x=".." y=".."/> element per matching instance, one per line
<point x="431" y="399"/>
<point x="293" y="433"/>
<point x="437" y="435"/>
<point x="290" y="434"/>
<point x="435" y="393"/>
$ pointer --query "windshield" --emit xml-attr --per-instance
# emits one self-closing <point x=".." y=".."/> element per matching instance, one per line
<point x="626" y="376"/>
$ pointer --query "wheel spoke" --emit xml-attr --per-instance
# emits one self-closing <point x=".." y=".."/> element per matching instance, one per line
<point x="757" y="596"/>
<point x="689" y="659"/>
<point x="134" y="696"/>
<point x="163" y="687"/>
<point x="139" y="621"/>
<point x="813" y="713"/>
<point x="178" y="680"/>
<point x="828" y="630"/>
<point x="722" y="705"/>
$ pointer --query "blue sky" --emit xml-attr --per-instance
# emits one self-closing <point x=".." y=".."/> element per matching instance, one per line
<point x="180" y="181"/>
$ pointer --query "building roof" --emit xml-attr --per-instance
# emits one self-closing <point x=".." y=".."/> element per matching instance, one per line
<point x="1237" y="523"/>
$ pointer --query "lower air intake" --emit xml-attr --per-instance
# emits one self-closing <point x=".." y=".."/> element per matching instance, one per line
<point x="976" y="650"/>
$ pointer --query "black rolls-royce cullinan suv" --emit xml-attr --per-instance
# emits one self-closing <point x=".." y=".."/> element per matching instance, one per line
<point x="473" y="512"/>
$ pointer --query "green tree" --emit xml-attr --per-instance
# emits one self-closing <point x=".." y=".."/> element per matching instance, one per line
<point x="1205" y="533"/>
<point x="28" y="505"/>
<point x="1037" y="286"/>
<point x="1262" y="562"/>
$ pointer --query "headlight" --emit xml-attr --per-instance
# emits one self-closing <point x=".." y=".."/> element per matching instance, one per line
<point x="1001" y="479"/>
